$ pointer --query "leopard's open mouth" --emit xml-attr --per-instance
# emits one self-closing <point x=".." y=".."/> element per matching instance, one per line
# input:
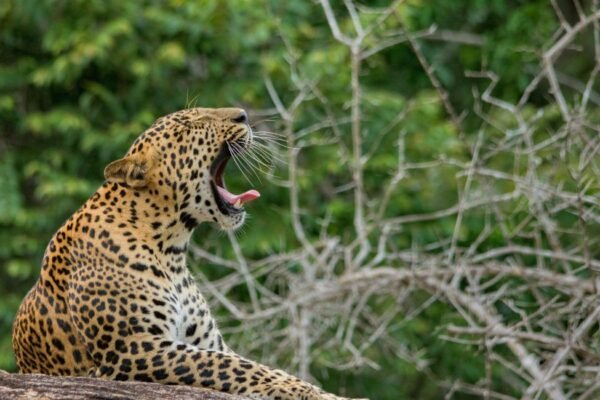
<point x="227" y="202"/>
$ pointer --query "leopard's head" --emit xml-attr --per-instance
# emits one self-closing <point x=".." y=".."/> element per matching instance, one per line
<point x="180" y="162"/>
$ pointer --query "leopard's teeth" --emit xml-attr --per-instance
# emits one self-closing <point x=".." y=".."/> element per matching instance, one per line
<point x="238" y="204"/>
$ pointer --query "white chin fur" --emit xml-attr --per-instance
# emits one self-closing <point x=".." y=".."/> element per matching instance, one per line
<point x="231" y="222"/>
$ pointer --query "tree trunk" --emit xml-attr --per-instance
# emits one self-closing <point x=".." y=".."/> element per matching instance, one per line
<point x="36" y="386"/>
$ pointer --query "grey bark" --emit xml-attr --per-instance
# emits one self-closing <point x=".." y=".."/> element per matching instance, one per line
<point x="36" y="386"/>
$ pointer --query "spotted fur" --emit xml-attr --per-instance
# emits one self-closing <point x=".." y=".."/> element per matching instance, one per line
<point x="115" y="299"/>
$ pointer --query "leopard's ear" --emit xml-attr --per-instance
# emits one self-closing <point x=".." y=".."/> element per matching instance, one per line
<point x="131" y="170"/>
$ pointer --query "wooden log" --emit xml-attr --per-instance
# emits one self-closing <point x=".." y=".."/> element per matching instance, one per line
<point x="45" y="387"/>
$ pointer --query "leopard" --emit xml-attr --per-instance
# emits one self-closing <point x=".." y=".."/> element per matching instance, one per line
<point x="115" y="299"/>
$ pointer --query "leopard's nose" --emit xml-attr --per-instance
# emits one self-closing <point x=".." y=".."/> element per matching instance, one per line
<point x="241" y="118"/>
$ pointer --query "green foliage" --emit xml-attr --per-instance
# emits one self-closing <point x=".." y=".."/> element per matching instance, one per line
<point x="79" y="80"/>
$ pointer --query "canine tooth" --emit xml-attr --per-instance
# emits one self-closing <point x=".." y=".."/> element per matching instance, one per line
<point x="238" y="203"/>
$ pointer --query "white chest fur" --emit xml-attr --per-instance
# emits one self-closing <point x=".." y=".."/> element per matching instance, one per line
<point x="192" y="320"/>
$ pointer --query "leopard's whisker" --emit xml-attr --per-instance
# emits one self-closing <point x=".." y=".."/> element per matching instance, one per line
<point x="191" y="103"/>
<point x="261" y="156"/>
<point x="251" y="165"/>
<point x="271" y="134"/>
<point x="267" y="151"/>
<point x="238" y="154"/>
<point x="235" y="160"/>
<point x="270" y="144"/>
<point x="271" y="138"/>
<point x="283" y="135"/>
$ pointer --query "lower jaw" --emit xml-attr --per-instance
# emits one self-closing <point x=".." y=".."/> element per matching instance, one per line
<point x="230" y="222"/>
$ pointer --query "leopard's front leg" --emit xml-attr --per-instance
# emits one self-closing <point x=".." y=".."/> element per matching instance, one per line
<point x="172" y="362"/>
<point x="133" y="340"/>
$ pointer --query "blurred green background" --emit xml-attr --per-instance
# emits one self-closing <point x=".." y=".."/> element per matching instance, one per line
<point x="80" y="79"/>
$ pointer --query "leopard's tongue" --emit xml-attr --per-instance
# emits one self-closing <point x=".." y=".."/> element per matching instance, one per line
<point x="234" y="198"/>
